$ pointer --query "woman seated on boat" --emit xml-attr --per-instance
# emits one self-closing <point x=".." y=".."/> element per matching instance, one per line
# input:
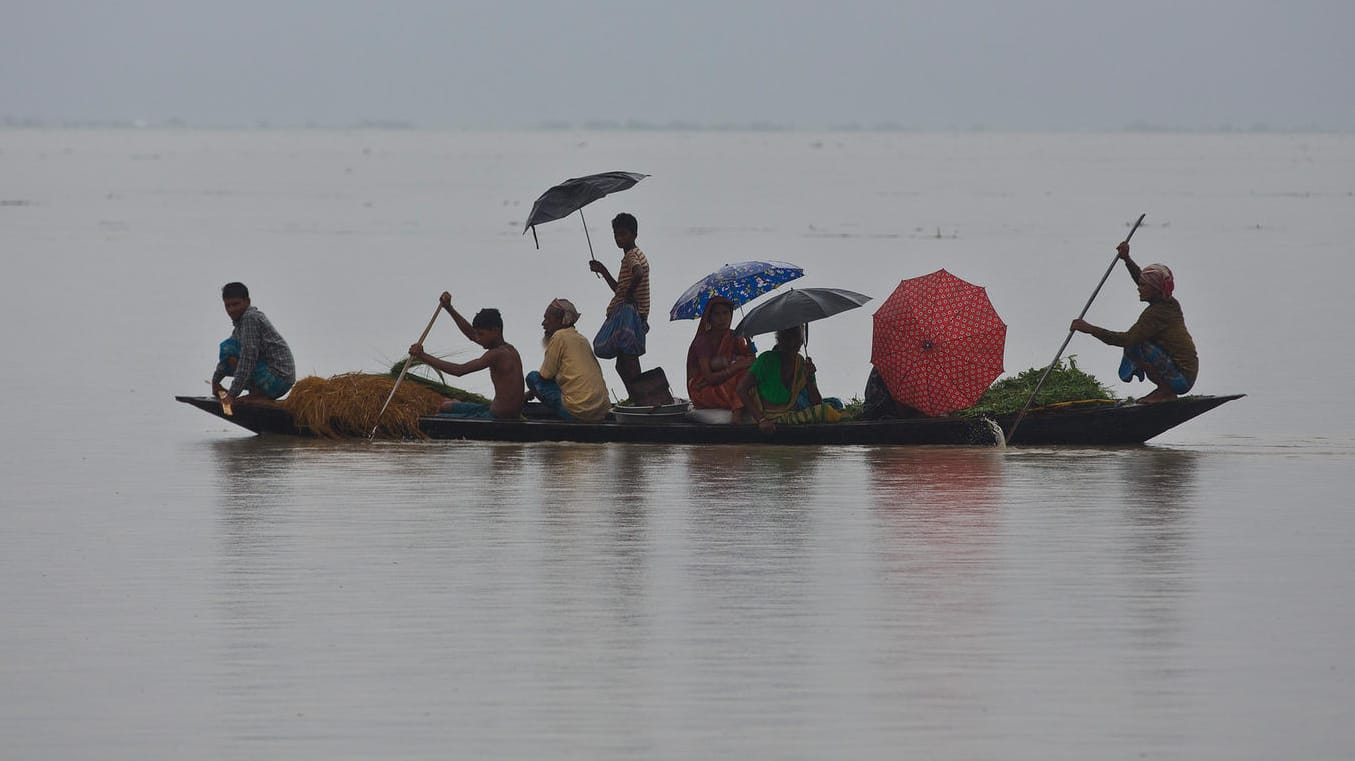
<point x="717" y="359"/>
<point x="780" y="387"/>
<point x="1158" y="345"/>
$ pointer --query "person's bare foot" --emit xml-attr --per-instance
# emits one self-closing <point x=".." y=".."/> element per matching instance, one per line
<point x="1157" y="396"/>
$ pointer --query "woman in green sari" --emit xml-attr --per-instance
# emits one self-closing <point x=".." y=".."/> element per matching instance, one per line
<point x="780" y="386"/>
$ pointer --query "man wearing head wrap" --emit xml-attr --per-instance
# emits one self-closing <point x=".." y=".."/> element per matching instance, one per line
<point x="568" y="314"/>
<point x="1158" y="346"/>
<point x="570" y="380"/>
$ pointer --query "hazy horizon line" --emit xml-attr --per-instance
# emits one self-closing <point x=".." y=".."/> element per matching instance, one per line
<point x="633" y="125"/>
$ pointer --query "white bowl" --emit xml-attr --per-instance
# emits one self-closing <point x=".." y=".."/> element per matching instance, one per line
<point x="661" y="415"/>
<point x="711" y="417"/>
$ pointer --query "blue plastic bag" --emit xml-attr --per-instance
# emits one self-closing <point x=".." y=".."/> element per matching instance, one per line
<point x="622" y="333"/>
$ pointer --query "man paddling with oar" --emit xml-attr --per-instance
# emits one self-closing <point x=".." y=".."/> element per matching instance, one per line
<point x="500" y="357"/>
<point x="1157" y="346"/>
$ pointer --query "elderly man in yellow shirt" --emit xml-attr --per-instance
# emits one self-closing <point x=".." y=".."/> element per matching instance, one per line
<point x="570" y="380"/>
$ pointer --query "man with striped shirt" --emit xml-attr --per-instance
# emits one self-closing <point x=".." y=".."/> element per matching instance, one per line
<point x="630" y="288"/>
<point x="255" y="345"/>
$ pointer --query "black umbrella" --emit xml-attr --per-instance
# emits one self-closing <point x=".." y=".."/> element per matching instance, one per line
<point x="797" y="306"/>
<point x="574" y="194"/>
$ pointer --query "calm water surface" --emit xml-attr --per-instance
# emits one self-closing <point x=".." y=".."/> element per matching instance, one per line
<point x="175" y="589"/>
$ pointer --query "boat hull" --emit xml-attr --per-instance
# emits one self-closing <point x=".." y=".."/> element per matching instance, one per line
<point x="1070" y="425"/>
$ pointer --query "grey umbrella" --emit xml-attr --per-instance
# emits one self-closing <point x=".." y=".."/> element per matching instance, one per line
<point x="574" y="194"/>
<point x="797" y="306"/>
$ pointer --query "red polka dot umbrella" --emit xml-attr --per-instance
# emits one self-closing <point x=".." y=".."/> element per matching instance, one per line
<point x="937" y="343"/>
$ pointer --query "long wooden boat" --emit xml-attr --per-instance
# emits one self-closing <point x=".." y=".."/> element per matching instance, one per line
<point x="1068" y="424"/>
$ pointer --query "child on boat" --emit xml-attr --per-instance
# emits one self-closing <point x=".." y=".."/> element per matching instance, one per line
<point x="255" y="345"/>
<point x="623" y="333"/>
<point x="500" y="357"/>
<point x="1157" y="346"/>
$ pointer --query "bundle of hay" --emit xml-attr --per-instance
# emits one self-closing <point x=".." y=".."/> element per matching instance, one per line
<point x="348" y="405"/>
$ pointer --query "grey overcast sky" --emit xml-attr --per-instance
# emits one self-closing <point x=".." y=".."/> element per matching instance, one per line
<point x="1022" y="64"/>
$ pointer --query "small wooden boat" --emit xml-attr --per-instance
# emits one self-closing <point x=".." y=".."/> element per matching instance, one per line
<point x="1080" y="423"/>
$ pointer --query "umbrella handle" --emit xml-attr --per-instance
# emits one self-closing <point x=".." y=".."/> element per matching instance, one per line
<point x="588" y="238"/>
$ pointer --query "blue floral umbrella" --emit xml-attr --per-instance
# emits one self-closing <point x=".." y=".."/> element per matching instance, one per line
<point x="740" y="283"/>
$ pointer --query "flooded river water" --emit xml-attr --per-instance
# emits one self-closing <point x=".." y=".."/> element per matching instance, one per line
<point x="177" y="589"/>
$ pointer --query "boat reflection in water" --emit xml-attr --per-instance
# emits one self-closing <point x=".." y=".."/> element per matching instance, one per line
<point x="563" y="578"/>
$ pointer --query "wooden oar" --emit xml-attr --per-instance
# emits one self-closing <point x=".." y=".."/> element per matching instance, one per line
<point x="403" y="370"/>
<point x="1080" y="315"/>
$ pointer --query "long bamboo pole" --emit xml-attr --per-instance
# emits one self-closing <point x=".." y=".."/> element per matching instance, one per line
<point x="403" y="370"/>
<point x="1083" y="313"/>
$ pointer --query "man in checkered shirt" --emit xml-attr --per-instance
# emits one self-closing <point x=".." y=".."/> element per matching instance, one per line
<point x="254" y="344"/>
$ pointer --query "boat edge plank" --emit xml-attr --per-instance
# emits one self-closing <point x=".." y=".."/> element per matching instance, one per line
<point x="1105" y="425"/>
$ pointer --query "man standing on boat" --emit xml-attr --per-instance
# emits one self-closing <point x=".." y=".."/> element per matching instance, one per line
<point x="1158" y="345"/>
<point x="570" y="379"/>
<point x="623" y="334"/>
<point x="255" y="345"/>
<point x="502" y="359"/>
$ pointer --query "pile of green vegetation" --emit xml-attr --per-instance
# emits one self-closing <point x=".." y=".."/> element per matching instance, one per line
<point x="852" y="408"/>
<point x="1066" y="383"/>
<point x="439" y="385"/>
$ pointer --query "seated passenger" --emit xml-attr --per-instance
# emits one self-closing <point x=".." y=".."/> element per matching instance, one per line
<point x="780" y="386"/>
<point x="879" y="403"/>
<point x="717" y="359"/>
<point x="570" y="380"/>
<point x="503" y="361"/>
<point x="1158" y="345"/>
<point x="269" y="370"/>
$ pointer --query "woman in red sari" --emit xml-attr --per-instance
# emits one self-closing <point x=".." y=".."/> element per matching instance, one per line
<point x="717" y="359"/>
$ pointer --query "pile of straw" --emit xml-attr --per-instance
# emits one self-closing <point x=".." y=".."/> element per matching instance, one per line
<point x="347" y="405"/>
